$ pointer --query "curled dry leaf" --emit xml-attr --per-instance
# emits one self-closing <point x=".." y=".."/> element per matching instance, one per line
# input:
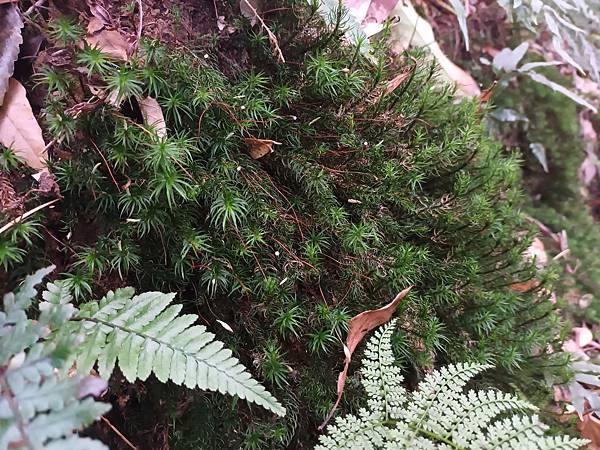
<point x="260" y="147"/>
<point x="413" y="30"/>
<point x="111" y="42"/>
<point x="589" y="427"/>
<point x="393" y="84"/>
<point x="153" y="115"/>
<point x="536" y="252"/>
<point x="47" y="183"/>
<point x="10" y="40"/>
<point x="19" y="128"/>
<point x="582" y="336"/>
<point x="358" y="327"/>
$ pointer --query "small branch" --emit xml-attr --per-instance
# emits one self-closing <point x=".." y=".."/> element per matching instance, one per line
<point x="112" y="177"/>
<point x="140" y="23"/>
<point x="16" y="220"/>
<point x="118" y="433"/>
<point x="272" y="38"/>
<point x="33" y="7"/>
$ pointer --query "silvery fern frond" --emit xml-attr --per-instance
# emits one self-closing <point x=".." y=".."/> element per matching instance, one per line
<point x="438" y="415"/>
<point x="38" y="407"/>
<point x="146" y="334"/>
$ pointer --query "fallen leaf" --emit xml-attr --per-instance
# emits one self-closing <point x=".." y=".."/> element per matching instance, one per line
<point x="582" y="336"/>
<point x="358" y="327"/>
<point x="589" y="427"/>
<point x="536" y="252"/>
<point x="225" y="325"/>
<point x="10" y="40"/>
<point x="111" y="42"/>
<point x="393" y="84"/>
<point x="47" y="183"/>
<point x="485" y="96"/>
<point x="10" y="201"/>
<point x="412" y="30"/>
<point x="260" y="147"/>
<point x="589" y="167"/>
<point x="245" y="9"/>
<point x="539" y="151"/>
<point x="19" y="129"/>
<point x="525" y="286"/>
<point x="153" y="115"/>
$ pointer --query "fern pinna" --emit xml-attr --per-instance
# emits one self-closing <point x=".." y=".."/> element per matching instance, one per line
<point x="438" y="415"/>
<point x="39" y="408"/>
<point x="43" y="406"/>
<point x="145" y="334"/>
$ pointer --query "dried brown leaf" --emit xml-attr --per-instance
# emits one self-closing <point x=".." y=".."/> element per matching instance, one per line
<point x="47" y="183"/>
<point x="19" y="128"/>
<point x="111" y="42"/>
<point x="153" y="115"/>
<point x="359" y="326"/>
<point x="10" y="40"/>
<point x="589" y="427"/>
<point x="260" y="147"/>
<point x="10" y="201"/>
<point x="393" y="84"/>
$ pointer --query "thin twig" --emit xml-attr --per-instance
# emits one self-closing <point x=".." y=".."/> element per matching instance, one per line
<point x="33" y="7"/>
<point x="112" y="177"/>
<point x="16" y="220"/>
<point x="118" y="433"/>
<point x="140" y="23"/>
<point x="272" y="37"/>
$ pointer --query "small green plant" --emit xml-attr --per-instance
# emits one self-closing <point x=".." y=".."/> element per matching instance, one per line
<point x="439" y="414"/>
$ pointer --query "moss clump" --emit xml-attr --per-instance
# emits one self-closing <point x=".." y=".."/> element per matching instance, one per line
<point x="367" y="191"/>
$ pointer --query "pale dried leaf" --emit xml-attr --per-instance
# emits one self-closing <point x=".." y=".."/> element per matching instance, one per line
<point x="358" y="327"/>
<point x="412" y="30"/>
<point x="245" y="9"/>
<point x="461" y="15"/>
<point x="260" y="147"/>
<point x="10" y="40"/>
<point x="536" y="252"/>
<point x="111" y="42"/>
<point x="251" y="9"/>
<point x="153" y="115"/>
<point x="225" y="325"/>
<point x="589" y="168"/>
<point x="19" y="128"/>
<point x="539" y="151"/>
<point x="582" y="336"/>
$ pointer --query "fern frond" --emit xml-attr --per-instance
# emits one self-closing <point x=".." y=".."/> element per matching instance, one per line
<point x="465" y="418"/>
<point x="438" y="415"/>
<point x="365" y="432"/>
<point x="381" y="378"/>
<point x="145" y="334"/>
<point x="445" y="384"/>
<point x="38" y="407"/>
